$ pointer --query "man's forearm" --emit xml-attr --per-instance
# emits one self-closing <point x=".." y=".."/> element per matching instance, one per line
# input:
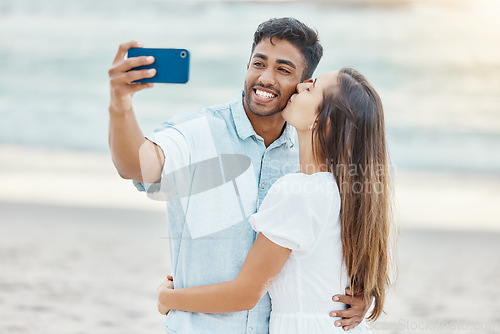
<point x="125" y="141"/>
<point x="131" y="153"/>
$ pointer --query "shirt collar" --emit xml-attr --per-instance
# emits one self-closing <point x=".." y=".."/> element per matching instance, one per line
<point x="288" y="136"/>
<point x="243" y="126"/>
<point x="245" y="129"/>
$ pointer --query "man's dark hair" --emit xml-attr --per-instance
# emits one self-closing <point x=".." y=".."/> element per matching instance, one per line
<point x="295" y="32"/>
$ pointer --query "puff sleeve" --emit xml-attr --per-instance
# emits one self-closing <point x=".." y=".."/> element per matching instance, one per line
<point x="295" y="213"/>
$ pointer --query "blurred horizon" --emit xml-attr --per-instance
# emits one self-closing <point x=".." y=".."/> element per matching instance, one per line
<point x="436" y="66"/>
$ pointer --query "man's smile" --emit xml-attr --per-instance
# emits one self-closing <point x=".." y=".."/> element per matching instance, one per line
<point x="264" y="95"/>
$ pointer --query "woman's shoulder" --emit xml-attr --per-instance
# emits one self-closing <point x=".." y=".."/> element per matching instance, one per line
<point x="306" y="185"/>
<point x="321" y="178"/>
<point x="305" y="178"/>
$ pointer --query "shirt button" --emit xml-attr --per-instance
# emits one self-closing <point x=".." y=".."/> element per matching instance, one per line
<point x="262" y="185"/>
<point x="250" y="329"/>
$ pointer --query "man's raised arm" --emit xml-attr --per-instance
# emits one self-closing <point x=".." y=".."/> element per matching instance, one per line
<point x="133" y="156"/>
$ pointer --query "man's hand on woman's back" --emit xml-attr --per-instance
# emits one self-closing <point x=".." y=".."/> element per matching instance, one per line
<point x="352" y="316"/>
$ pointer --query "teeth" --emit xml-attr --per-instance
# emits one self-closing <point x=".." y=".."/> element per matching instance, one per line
<point x="264" y="94"/>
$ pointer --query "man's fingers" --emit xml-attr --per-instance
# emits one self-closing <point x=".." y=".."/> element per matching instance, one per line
<point x="350" y="323"/>
<point x="138" y="87"/>
<point x="123" y="49"/>
<point x="122" y="77"/>
<point x="132" y="62"/>
<point x="347" y="313"/>
<point x="349" y="300"/>
<point x="141" y="74"/>
<point x="129" y="77"/>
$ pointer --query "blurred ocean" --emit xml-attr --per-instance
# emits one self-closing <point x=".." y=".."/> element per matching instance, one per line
<point x="436" y="65"/>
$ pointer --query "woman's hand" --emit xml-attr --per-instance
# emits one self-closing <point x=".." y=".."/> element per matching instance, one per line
<point x="163" y="290"/>
<point x="262" y="264"/>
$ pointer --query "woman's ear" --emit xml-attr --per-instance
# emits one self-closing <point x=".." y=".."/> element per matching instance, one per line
<point x="314" y="125"/>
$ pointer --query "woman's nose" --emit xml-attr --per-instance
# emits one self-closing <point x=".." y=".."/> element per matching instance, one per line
<point x="303" y="86"/>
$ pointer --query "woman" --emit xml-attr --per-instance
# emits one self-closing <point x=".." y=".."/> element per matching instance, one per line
<point x="322" y="229"/>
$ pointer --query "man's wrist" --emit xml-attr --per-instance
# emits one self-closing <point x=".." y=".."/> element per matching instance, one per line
<point x="119" y="111"/>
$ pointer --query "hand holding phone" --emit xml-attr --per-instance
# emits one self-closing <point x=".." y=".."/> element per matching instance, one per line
<point x="172" y="65"/>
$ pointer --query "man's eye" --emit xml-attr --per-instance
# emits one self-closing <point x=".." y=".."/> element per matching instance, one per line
<point x="258" y="63"/>
<point x="284" y="70"/>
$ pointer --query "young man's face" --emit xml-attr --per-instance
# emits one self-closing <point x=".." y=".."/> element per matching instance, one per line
<point x="272" y="76"/>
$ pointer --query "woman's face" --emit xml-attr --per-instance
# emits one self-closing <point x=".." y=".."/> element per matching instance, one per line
<point x="302" y="108"/>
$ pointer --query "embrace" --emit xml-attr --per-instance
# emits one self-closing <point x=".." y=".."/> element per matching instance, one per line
<point x="278" y="202"/>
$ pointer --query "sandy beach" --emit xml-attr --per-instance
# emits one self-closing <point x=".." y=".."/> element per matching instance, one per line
<point x="94" y="270"/>
<point x="80" y="270"/>
<point x="82" y="252"/>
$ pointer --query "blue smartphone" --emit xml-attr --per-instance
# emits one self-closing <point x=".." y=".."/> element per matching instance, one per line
<point x="172" y="65"/>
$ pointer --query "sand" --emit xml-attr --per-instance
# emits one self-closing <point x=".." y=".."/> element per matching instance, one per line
<point x="80" y="270"/>
<point x="448" y="282"/>
<point x="94" y="270"/>
<point x="82" y="252"/>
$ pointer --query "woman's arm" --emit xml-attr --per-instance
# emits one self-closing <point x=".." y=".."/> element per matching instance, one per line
<point x="263" y="262"/>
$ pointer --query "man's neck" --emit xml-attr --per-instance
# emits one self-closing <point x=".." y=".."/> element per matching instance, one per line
<point x="269" y="128"/>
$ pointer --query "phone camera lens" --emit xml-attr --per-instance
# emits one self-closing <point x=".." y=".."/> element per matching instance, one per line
<point x="183" y="54"/>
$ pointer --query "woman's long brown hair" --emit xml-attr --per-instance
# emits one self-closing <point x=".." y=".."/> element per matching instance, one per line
<point x="350" y="136"/>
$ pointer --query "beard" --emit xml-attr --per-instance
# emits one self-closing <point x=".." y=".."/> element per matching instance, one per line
<point x="259" y="110"/>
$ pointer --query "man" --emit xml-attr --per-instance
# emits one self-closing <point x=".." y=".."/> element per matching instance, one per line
<point x="216" y="165"/>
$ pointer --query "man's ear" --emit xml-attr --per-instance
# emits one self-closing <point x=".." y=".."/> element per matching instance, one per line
<point x="310" y="80"/>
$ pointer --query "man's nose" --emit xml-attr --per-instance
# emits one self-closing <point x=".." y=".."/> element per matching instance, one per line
<point x="267" y="77"/>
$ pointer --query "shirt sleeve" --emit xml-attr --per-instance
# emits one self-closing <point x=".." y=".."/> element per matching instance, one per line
<point x="176" y="149"/>
<point x="291" y="217"/>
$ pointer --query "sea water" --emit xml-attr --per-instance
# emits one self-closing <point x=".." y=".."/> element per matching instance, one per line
<point x="436" y="65"/>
